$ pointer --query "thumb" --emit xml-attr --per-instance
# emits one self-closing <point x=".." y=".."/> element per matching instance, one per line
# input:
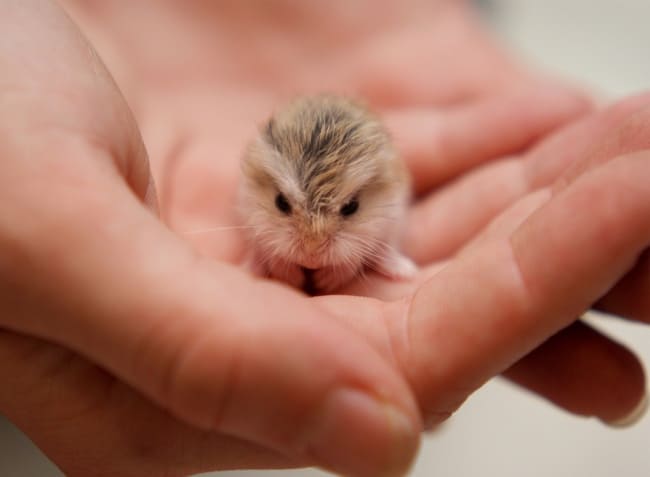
<point x="219" y="350"/>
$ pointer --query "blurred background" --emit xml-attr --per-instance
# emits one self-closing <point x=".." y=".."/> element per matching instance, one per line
<point x="502" y="431"/>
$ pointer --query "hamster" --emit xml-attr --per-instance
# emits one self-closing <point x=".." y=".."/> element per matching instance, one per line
<point x="323" y="196"/>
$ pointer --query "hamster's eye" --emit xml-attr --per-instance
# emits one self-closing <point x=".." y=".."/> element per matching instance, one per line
<point x="282" y="204"/>
<point x="350" y="208"/>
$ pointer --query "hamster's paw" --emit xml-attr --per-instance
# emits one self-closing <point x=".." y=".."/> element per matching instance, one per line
<point x="290" y="274"/>
<point x="396" y="266"/>
<point x="330" y="279"/>
<point x="255" y="266"/>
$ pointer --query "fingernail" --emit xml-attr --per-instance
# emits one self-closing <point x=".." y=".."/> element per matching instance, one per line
<point x="633" y="417"/>
<point x="358" y="435"/>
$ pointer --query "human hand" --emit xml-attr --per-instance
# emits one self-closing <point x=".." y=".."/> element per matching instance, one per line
<point x="453" y="99"/>
<point x="123" y="351"/>
<point x="447" y="121"/>
<point x="138" y="419"/>
<point x="446" y="124"/>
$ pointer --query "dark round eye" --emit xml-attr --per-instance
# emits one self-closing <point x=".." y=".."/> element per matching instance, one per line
<point x="350" y="208"/>
<point x="282" y="204"/>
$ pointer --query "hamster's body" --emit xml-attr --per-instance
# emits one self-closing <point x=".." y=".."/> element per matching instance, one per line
<point x="324" y="191"/>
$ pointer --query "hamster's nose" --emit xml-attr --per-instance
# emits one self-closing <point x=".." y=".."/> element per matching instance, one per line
<point x="315" y="243"/>
<point x="316" y="234"/>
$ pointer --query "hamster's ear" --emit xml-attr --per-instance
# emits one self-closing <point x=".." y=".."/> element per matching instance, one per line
<point x="267" y="132"/>
<point x="265" y="169"/>
<point x="255" y="162"/>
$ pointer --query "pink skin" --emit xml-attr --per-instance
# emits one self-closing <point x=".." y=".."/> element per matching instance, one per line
<point x="124" y="350"/>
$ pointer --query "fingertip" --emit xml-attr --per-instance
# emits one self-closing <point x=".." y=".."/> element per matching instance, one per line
<point x="586" y="373"/>
<point x="441" y="144"/>
<point x="567" y="99"/>
<point x="637" y="413"/>
<point x="390" y="435"/>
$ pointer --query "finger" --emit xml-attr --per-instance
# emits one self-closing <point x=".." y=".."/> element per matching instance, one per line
<point x="503" y="298"/>
<point x="442" y="223"/>
<point x="619" y="129"/>
<point x="571" y="367"/>
<point x="584" y="372"/>
<point x="439" y="146"/>
<point x="50" y="77"/>
<point x="60" y="399"/>
<point x="629" y="298"/>
<point x="450" y="58"/>
<point x="623" y="128"/>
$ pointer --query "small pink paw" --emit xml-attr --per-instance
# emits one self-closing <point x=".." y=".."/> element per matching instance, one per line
<point x="397" y="267"/>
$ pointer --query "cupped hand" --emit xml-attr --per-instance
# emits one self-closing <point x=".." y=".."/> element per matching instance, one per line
<point x="178" y="372"/>
<point x="456" y="104"/>
<point x="168" y="363"/>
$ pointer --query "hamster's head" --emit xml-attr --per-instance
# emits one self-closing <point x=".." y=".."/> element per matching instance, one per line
<point x="322" y="186"/>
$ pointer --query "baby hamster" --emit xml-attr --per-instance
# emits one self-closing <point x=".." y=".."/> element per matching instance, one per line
<point x="323" y="195"/>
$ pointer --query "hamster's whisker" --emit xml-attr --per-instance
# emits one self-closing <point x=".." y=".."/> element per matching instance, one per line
<point x="262" y="235"/>
<point x="274" y="261"/>
<point x="372" y="249"/>
<point x="348" y="260"/>
<point x="385" y="206"/>
<point x="362" y="253"/>
<point x="374" y="220"/>
<point x="217" y="229"/>
<point x="365" y="243"/>
<point x="376" y="253"/>
<point x="367" y="252"/>
<point x="372" y="265"/>
<point x="382" y="244"/>
<point x="375" y="217"/>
